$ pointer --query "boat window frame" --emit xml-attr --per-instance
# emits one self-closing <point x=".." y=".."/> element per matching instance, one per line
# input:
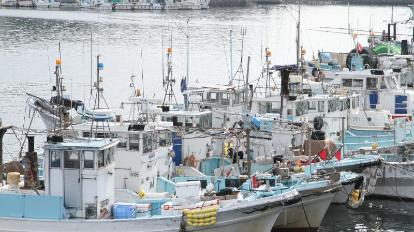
<point x="135" y="145"/>
<point x="75" y="164"/>
<point x="57" y="154"/>
<point x="89" y="160"/>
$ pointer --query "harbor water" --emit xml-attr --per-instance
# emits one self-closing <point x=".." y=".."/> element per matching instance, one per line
<point x="29" y="44"/>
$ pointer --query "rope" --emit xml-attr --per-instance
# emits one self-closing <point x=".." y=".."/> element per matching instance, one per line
<point x="304" y="211"/>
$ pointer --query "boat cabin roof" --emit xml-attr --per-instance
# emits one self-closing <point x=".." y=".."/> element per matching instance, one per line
<point x="186" y="113"/>
<point x="82" y="144"/>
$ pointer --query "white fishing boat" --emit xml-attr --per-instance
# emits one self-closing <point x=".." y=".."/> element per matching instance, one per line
<point x="70" y="4"/>
<point x="9" y="3"/>
<point x="79" y="190"/>
<point x="396" y="177"/>
<point x="47" y="4"/>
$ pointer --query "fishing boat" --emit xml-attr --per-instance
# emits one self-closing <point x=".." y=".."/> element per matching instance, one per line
<point x="316" y="192"/>
<point x="79" y="194"/>
<point x="268" y="2"/>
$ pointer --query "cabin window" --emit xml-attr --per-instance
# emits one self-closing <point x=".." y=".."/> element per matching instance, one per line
<point x="71" y="159"/>
<point x="312" y="105"/>
<point x="236" y="98"/>
<point x="134" y="142"/>
<point x="321" y="106"/>
<point x="165" y="138"/>
<point x="347" y="104"/>
<point x="372" y="83"/>
<point x="356" y="83"/>
<point x="108" y="155"/>
<point x="54" y="159"/>
<point x="339" y="105"/>
<point x="100" y="135"/>
<point x="243" y="97"/>
<point x="347" y="82"/>
<point x="101" y="159"/>
<point x="154" y="141"/>
<point x="213" y="97"/>
<point x="355" y="102"/>
<point x="205" y="122"/>
<point x="122" y="142"/>
<point x="147" y="141"/>
<point x="225" y="99"/>
<point x="192" y="122"/>
<point x="86" y="134"/>
<point x="331" y="105"/>
<point x="301" y="108"/>
<point x="382" y="83"/>
<point x="88" y="160"/>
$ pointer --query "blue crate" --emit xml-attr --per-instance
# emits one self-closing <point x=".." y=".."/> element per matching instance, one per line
<point x="124" y="211"/>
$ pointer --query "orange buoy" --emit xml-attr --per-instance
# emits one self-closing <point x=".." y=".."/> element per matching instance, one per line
<point x="169" y="50"/>
<point x="58" y="62"/>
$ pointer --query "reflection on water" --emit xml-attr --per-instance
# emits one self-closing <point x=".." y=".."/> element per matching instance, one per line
<point x="373" y="215"/>
<point x="29" y="45"/>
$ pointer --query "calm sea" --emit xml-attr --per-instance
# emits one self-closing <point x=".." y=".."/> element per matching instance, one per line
<point x="29" y="44"/>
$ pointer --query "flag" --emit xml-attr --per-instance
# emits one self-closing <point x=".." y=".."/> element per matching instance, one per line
<point x="359" y="48"/>
<point x="322" y="154"/>
<point x="338" y="154"/>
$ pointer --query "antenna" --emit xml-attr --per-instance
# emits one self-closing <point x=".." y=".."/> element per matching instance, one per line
<point x="97" y="85"/>
<point x="169" y="81"/>
<point x="142" y="75"/>
<point x="239" y="75"/>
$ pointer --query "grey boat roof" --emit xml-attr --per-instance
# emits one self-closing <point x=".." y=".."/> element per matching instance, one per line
<point x="82" y="144"/>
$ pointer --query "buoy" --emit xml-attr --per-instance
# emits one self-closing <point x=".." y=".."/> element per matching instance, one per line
<point x="141" y="194"/>
<point x="58" y="62"/>
<point x="169" y="50"/>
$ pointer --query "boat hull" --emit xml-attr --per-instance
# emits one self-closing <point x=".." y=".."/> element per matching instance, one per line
<point x="306" y="215"/>
<point x="395" y="180"/>
<point x="257" y="215"/>
<point x="341" y="197"/>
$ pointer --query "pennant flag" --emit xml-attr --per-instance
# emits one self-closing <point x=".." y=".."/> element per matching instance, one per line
<point x="338" y="154"/>
<point x="359" y="48"/>
<point x="322" y="154"/>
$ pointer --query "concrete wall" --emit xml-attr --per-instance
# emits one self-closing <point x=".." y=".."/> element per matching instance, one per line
<point x="244" y="3"/>
<point x="229" y="3"/>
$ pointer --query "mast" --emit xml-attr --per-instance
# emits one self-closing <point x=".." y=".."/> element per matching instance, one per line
<point x="97" y="81"/>
<point x="3" y="130"/>
<point x="169" y="96"/>
<point x="298" y="39"/>
<point x="248" y="109"/>
<point x="231" y="54"/>
<point x="188" y="53"/>
<point x="98" y="88"/>
<point x="142" y="75"/>
<point x="91" y="84"/>
<point x="349" y="25"/>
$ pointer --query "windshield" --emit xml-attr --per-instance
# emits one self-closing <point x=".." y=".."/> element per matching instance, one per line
<point x="392" y="82"/>
<point x="325" y="57"/>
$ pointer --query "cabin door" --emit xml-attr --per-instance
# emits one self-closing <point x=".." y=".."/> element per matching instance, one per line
<point x="72" y="179"/>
